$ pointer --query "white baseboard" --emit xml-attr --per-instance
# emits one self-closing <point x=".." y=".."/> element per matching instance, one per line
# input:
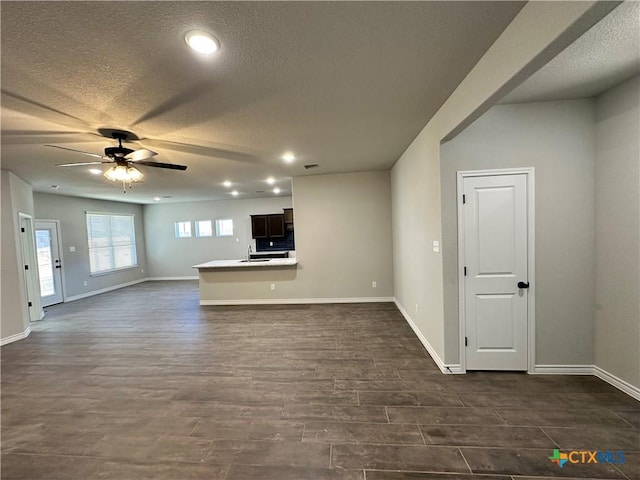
<point x="617" y="382"/>
<point x="602" y="374"/>
<point x="103" y="290"/>
<point x="159" y="279"/>
<point x="296" y="301"/>
<point x="562" y="370"/>
<point x="16" y="337"/>
<point x="444" y="368"/>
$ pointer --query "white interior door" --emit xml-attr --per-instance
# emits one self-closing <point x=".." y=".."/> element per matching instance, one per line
<point x="495" y="282"/>
<point x="49" y="262"/>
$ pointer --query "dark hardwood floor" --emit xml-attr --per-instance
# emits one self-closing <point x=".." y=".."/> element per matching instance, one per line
<point x="143" y="383"/>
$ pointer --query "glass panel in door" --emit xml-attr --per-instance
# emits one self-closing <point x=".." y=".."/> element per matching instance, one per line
<point x="49" y="264"/>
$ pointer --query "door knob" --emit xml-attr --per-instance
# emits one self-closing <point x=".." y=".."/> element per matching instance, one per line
<point x="523" y="284"/>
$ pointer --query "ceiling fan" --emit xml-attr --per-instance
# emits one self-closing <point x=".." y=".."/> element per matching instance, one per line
<point x="124" y="159"/>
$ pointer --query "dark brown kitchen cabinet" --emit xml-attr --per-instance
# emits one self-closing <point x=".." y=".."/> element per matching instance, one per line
<point x="276" y="225"/>
<point x="259" y="226"/>
<point x="288" y="215"/>
<point x="267" y="226"/>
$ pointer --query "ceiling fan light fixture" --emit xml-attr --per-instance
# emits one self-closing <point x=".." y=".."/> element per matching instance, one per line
<point x="123" y="173"/>
<point x="202" y="42"/>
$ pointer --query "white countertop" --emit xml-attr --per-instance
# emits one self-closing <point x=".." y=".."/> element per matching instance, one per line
<point x="272" y="262"/>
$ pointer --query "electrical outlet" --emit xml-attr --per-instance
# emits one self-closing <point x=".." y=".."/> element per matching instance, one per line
<point x="72" y="248"/>
<point x="84" y="283"/>
<point x="273" y="286"/>
<point x="237" y="240"/>
<point x="142" y="270"/>
<point x="416" y="308"/>
<point x="436" y="246"/>
<point x="374" y="284"/>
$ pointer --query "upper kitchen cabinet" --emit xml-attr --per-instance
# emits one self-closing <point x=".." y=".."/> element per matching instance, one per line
<point x="267" y="226"/>
<point x="259" y="228"/>
<point x="288" y="216"/>
<point x="276" y="225"/>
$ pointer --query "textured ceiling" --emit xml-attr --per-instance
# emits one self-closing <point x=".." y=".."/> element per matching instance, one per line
<point x="605" y="55"/>
<point x="346" y="85"/>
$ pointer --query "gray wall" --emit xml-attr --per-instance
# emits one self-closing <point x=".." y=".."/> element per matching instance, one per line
<point x="173" y="257"/>
<point x="73" y="232"/>
<point x="343" y="235"/>
<point x="617" y="340"/>
<point x="16" y="198"/>
<point x="537" y="34"/>
<point x="343" y="244"/>
<point x="557" y="138"/>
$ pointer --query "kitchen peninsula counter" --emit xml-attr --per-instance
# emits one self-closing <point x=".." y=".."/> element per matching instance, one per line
<point x="261" y="263"/>
<point x="242" y="282"/>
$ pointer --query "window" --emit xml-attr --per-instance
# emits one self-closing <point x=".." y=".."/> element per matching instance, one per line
<point x="224" y="228"/>
<point x="112" y="242"/>
<point x="183" y="229"/>
<point x="203" y="228"/>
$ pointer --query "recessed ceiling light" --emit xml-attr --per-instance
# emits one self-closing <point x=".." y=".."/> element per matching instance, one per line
<point x="202" y="42"/>
<point x="156" y="199"/>
<point x="226" y="183"/>
<point x="276" y="190"/>
<point x="271" y="180"/>
<point x="288" y="157"/>
<point x="234" y="193"/>
<point x="95" y="171"/>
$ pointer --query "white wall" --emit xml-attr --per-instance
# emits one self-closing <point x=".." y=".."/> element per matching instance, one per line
<point x="558" y="140"/>
<point x="173" y="257"/>
<point x="537" y="34"/>
<point x="617" y="339"/>
<point x="73" y="232"/>
<point x="16" y="198"/>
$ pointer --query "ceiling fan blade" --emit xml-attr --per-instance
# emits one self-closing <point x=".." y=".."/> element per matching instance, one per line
<point x="209" y="151"/>
<point x="171" y="166"/>
<point x="78" y="151"/>
<point x="140" y="154"/>
<point x="79" y="164"/>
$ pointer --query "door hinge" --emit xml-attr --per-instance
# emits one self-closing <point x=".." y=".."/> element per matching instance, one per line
<point x="26" y="267"/>
<point x="22" y="229"/>
<point x="465" y="271"/>
<point x="466" y="342"/>
<point x="464" y="198"/>
<point x="30" y="304"/>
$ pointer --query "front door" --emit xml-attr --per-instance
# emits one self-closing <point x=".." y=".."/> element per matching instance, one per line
<point x="49" y="262"/>
<point x="494" y="219"/>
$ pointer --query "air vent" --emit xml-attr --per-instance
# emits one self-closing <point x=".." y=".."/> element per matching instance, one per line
<point x="311" y="165"/>
<point x="259" y="191"/>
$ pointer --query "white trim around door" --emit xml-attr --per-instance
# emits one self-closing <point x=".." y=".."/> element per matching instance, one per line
<point x="531" y="331"/>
